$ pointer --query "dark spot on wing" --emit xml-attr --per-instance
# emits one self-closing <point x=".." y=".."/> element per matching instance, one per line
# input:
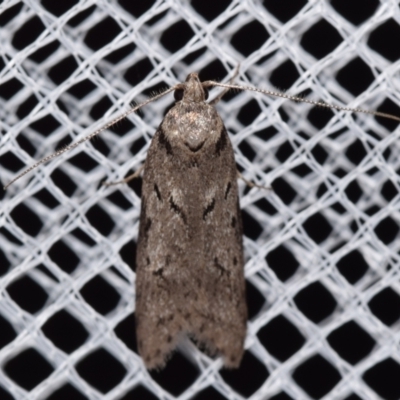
<point x="234" y="261"/>
<point x="143" y="210"/>
<point x="147" y="226"/>
<point x="158" y="194"/>
<point x="159" y="272"/>
<point x="239" y="227"/>
<point x="233" y="222"/>
<point x="163" y="141"/>
<point x="194" y="149"/>
<point x="145" y="223"/>
<point x="222" y="142"/>
<point x="219" y="266"/>
<point x="208" y="209"/>
<point x="169" y="339"/>
<point x="177" y="209"/>
<point x="227" y="190"/>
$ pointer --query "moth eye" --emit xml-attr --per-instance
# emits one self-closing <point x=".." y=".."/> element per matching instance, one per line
<point x="178" y="94"/>
<point x="205" y="93"/>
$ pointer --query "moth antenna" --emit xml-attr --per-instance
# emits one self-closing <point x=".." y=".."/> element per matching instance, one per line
<point x="205" y="84"/>
<point x="90" y="136"/>
<point x="303" y="100"/>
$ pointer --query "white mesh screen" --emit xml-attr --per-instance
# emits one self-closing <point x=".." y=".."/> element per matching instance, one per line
<point x="322" y="248"/>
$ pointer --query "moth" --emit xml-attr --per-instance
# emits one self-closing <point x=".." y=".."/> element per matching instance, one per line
<point x="189" y="265"/>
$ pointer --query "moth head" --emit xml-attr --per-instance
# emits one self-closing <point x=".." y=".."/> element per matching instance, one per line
<point x="192" y="90"/>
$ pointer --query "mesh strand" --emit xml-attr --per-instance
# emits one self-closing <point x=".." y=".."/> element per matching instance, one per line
<point x="321" y="248"/>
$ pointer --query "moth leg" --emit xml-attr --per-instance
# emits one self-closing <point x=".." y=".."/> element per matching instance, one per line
<point x="231" y="82"/>
<point x="127" y="179"/>
<point x="252" y="184"/>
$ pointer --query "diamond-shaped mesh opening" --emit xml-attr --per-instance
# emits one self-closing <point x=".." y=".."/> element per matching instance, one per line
<point x="351" y="342"/>
<point x="383" y="378"/>
<point x="325" y="374"/>
<point x="101" y="370"/>
<point x="281" y="338"/>
<point x="321" y="245"/>
<point x="28" y="368"/>
<point x="65" y="331"/>
<point x="102" y="296"/>
<point x="28" y="294"/>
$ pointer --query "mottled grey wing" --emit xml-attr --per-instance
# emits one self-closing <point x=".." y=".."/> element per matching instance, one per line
<point x="189" y="258"/>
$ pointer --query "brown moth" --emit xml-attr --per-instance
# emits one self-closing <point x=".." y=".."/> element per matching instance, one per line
<point x="189" y="274"/>
<point x="189" y="264"/>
